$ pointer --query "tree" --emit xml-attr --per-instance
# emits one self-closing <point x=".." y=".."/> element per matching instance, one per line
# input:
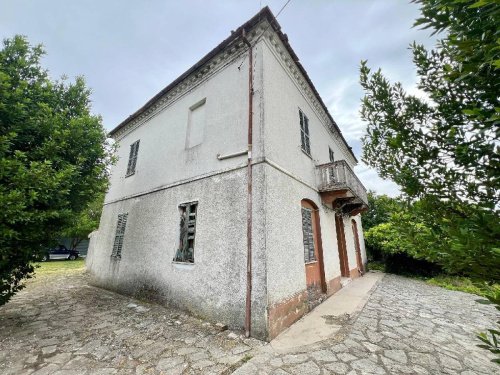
<point x="53" y="159"/>
<point x="443" y="150"/>
<point x="85" y="222"/>
<point x="380" y="209"/>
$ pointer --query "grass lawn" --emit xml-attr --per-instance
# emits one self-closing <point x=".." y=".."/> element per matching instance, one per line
<point x="460" y="283"/>
<point x="59" y="267"/>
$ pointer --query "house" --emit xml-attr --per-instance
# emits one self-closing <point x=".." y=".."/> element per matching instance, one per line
<point x="234" y="195"/>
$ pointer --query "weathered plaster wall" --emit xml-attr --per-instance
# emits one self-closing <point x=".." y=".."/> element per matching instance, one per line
<point x="283" y="99"/>
<point x="284" y="246"/>
<point x="214" y="287"/>
<point x="163" y="156"/>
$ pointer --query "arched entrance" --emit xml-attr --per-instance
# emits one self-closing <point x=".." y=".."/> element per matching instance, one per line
<point x="313" y="253"/>
<point x="341" y="245"/>
<point x="359" y="259"/>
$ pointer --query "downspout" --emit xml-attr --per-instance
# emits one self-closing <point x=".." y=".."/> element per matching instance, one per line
<point x="248" y="306"/>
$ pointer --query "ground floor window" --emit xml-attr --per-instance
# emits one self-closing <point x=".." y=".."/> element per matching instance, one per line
<point x="308" y="239"/>
<point x="185" y="251"/>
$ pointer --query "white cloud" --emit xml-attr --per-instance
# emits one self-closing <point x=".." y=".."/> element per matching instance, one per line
<point x="373" y="181"/>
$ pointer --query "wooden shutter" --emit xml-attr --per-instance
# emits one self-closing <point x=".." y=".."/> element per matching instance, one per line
<point x="132" y="159"/>
<point x="308" y="238"/>
<point x="304" y="133"/>
<point x="120" y="232"/>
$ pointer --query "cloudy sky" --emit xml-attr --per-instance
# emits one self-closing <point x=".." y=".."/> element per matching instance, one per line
<point x="130" y="50"/>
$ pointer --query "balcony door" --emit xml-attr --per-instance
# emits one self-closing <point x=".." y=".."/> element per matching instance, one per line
<point x="341" y="245"/>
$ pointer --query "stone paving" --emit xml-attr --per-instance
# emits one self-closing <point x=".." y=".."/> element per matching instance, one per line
<point x="406" y="327"/>
<point x="62" y="325"/>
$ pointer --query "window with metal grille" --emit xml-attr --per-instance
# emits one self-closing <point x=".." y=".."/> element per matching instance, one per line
<point x="304" y="133"/>
<point x="185" y="251"/>
<point x="120" y="232"/>
<point x="132" y="159"/>
<point x="307" y="231"/>
<point x="331" y="154"/>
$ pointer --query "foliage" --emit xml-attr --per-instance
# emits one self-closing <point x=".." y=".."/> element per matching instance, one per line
<point x="443" y="150"/>
<point x="463" y="284"/>
<point x="380" y="209"/>
<point x="491" y="338"/>
<point x="85" y="222"/>
<point x="53" y="159"/>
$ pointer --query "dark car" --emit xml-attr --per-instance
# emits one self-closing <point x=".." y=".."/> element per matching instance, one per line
<point x="61" y="252"/>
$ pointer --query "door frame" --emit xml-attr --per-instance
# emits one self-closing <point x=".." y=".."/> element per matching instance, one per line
<point x="342" y="246"/>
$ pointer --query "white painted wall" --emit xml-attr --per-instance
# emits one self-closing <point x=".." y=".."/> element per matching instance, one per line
<point x="164" y="157"/>
<point x="295" y="181"/>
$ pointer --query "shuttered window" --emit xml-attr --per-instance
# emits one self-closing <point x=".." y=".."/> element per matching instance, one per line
<point x="120" y="232"/>
<point x="304" y="133"/>
<point x="307" y="231"/>
<point x="132" y="159"/>
<point x="185" y="251"/>
<point x="331" y="154"/>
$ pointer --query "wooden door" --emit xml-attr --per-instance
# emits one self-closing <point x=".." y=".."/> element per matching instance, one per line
<point x="342" y="248"/>
<point x="313" y="253"/>
<point x="359" y="260"/>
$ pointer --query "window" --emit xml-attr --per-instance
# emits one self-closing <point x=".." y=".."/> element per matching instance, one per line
<point x="304" y="133"/>
<point x="185" y="252"/>
<point x="120" y="231"/>
<point x="332" y="156"/>
<point x="132" y="159"/>
<point x="196" y="124"/>
<point x="307" y="231"/>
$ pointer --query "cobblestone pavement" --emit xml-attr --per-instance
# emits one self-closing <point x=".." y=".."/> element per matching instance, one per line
<point x="65" y="326"/>
<point x="406" y="327"/>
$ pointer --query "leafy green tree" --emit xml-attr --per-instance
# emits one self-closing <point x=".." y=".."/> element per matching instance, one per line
<point x="442" y="149"/>
<point x="53" y="159"/>
<point x="380" y="209"/>
<point x="85" y="222"/>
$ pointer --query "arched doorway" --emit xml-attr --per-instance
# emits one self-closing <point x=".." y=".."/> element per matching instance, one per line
<point x="313" y="253"/>
<point x="341" y="245"/>
<point x="359" y="259"/>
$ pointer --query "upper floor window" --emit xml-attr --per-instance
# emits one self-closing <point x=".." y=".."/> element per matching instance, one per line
<point x="196" y="124"/>
<point x="120" y="232"/>
<point x="185" y="252"/>
<point x="132" y="158"/>
<point x="304" y="133"/>
<point x="331" y="154"/>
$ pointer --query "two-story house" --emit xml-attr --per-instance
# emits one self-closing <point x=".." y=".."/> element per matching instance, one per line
<point x="234" y="195"/>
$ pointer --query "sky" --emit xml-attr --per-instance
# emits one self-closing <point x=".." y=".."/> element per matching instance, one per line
<point x="130" y="50"/>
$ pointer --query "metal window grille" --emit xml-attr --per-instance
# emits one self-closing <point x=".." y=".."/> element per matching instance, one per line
<point x="308" y="239"/>
<point x="331" y="154"/>
<point x="185" y="252"/>
<point x="304" y="133"/>
<point x="120" y="232"/>
<point x="132" y="159"/>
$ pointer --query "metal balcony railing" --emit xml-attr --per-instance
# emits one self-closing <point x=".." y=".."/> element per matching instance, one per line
<point x="339" y="176"/>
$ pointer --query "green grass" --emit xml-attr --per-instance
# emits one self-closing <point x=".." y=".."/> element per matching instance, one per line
<point x="463" y="284"/>
<point x="59" y="267"/>
<point x="460" y="283"/>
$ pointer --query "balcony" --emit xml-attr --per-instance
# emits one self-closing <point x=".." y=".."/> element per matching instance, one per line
<point x="339" y="186"/>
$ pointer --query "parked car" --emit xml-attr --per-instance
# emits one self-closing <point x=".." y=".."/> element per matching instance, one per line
<point x="61" y="252"/>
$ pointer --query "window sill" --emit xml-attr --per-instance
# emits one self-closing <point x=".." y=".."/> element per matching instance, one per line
<point x="183" y="265"/>
<point x="305" y="153"/>
<point x="130" y="174"/>
<point x="312" y="262"/>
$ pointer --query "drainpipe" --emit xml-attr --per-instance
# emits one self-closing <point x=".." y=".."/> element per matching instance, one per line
<point x="248" y="306"/>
